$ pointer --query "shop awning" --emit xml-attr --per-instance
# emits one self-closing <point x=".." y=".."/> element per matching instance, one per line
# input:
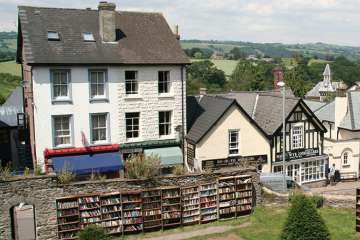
<point x="169" y="156"/>
<point x="87" y="163"/>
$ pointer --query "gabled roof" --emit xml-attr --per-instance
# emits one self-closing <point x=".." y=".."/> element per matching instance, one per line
<point x="143" y="38"/>
<point x="204" y="114"/>
<point x="314" y="105"/>
<point x="326" y="112"/>
<point x="351" y="120"/>
<point x="12" y="106"/>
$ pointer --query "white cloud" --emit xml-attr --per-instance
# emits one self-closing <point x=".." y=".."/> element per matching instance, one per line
<point x="332" y="21"/>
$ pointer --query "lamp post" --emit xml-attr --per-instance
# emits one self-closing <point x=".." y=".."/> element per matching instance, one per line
<point x="282" y="86"/>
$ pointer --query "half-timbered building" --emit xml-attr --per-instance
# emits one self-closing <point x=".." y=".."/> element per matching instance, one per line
<point x="305" y="160"/>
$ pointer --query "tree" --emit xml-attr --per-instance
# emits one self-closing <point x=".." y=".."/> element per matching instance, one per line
<point x="204" y="74"/>
<point x="236" y="53"/>
<point x="304" y="222"/>
<point x="93" y="232"/>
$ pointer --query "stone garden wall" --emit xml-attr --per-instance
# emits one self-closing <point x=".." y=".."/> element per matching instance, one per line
<point x="42" y="192"/>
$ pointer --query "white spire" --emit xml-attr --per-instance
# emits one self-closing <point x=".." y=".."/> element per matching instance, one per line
<point x="327" y="71"/>
<point x="327" y="78"/>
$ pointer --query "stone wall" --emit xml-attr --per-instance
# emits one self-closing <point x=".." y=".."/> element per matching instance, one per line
<point x="42" y="192"/>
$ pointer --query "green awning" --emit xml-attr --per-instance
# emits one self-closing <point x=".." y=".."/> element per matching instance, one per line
<point x="169" y="156"/>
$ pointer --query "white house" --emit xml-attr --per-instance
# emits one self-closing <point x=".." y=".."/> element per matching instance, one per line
<point x="101" y="84"/>
<point x="341" y="117"/>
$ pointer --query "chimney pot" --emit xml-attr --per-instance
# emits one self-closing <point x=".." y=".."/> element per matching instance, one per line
<point x="107" y="19"/>
<point x="202" y="91"/>
<point x="176" y="30"/>
<point x="278" y="76"/>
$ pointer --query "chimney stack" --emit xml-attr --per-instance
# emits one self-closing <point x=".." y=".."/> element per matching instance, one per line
<point x="341" y="89"/>
<point x="176" y="30"/>
<point x="278" y="76"/>
<point x="107" y="19"/>
<point x="202" y="92"/>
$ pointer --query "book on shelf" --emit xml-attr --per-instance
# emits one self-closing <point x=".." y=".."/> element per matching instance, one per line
<point x="89" y="199"/>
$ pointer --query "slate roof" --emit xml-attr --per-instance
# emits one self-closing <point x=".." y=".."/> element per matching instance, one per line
<point x="144" y="38"/>
<point x="314" y="105"/>
<point x="351" y="120"/>
<point x="266" y="108"/>
<point x="326" y="112"/>
<point x="12" y="106"/>
<point x="204" y="114"/>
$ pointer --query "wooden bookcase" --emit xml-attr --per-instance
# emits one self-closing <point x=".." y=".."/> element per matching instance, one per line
<point x="226" y="197"/>
<point x="151" y="209"/>
<point x="208" y="202"/>
<point x="190" y="200"/>
<point x="171" y="206"/>
<point x="68" y="220"/>
<point x="357" y="226"/>
<point x="111" y="213"/>
<point x="244" y="188"/>
<point x="89" y="208"/>
<point x="132" y="211"/>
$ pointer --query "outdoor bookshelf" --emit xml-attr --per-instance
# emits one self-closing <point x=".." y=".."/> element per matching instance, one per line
<point x="226" y="197"/>
<point x="68" y="221"/>
<point x="357" y="210"/>
<point x="208" y="202"/>
<point x="190" y="205"/>
<point x="243" y="194"/>
<point x="132" y="211"/>
<point x="151" y="209"/>
<point x="171" y="207"/>
<point x="89" y="208"/>
<point x="111" y="213"/>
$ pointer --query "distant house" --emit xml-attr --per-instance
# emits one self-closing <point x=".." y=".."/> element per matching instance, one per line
<point x="101" y="85"/>
<point x="325" y="88"/>
<point x="13" y="148"/>
<point x="341" y="118"/>
<point x="228" y="129"/>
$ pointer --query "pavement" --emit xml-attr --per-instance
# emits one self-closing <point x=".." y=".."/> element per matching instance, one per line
<point x="341" y="189"/>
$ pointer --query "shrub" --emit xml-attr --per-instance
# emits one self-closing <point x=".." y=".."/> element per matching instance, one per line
<point x="141" y="166"/>
<point x="66" y="174"/>
<point x="37" y="170"/>
<point x="304" y="222"/>
<point x="94" y="176"/>
<point x="26" y="172"/>
<point x="5" y="173"/>
<point x="316" y="200"/>
<point x="93" y="232"/>
<point x="179" y="170"/>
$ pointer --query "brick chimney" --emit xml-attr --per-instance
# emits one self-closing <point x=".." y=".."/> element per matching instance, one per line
<point x="107" y="19"/>
<point x="176" y="32"/>
<point x="278" y="76"/>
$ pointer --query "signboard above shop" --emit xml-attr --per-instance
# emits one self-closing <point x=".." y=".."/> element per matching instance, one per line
<point x="298" y="154"/>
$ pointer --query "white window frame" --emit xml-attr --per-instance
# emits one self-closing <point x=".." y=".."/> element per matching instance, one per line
<point x="237" y="143"/>
<point x="167" y="82"/>
<point x="346" y="156"/>
<point x="132" y="127"/>
<point x="104" y="96"/>
<point x="55" y="136"/>
<point x="88" y="37"/>
<point x="107" y="129"/>
<point x="299" y="142"/>
<point x="64" y="98"/>
<point x="53" y="36"/>
<point x="313" y="170"/>
<point x="167" y="124"/>
<point x="133" y="83"/>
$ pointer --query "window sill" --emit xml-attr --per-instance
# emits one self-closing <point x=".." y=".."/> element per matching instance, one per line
<point x="64" y="146"/>
<point x="346" y="166"/>
<point x="102" y="143"/>
<point x="96" y="100"/>
<point x="133" y="97"/>
<point x="61" y="101"/>
<point x="131" y="140"/>
<point x="166" y="95"/>
<point x="234" y="155"/>
<point x="166" y="137"/>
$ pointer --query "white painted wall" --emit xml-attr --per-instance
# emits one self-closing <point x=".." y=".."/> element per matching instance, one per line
<point x="148" y="103"/>
<point x="251" y="141"/>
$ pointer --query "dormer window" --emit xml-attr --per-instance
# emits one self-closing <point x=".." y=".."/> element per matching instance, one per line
<point x="53" y="36"/>
<point x="88" y="37"/>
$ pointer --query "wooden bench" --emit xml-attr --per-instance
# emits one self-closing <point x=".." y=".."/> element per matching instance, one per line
<point x="348" y="176"/>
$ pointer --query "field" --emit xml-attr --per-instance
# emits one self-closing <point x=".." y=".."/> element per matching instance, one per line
<point x="227" y="66"/>
<point x="266" y="224"/>
<point x="10" y="67"/>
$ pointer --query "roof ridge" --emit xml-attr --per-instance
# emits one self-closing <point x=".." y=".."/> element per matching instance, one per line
<point x="323" y="106"/>
<point x="85" y="9"/>
<point x="350" y="109"/>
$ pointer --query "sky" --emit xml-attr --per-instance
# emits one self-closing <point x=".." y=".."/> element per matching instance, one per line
<point x="285" y="21"/>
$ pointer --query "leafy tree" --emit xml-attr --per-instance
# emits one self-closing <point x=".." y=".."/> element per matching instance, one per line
<point x="204" y="74"/>
<point x="236" y="53"/>
<point x="93" y="232"/>
<point x="304" y="222"/>
<point x="298" y="80"/>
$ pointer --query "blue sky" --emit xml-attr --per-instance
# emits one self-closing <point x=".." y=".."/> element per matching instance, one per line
<point x="287" y="21"/>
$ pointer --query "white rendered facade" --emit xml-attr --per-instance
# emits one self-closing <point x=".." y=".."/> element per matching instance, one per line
<point x="148" y="102"/>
